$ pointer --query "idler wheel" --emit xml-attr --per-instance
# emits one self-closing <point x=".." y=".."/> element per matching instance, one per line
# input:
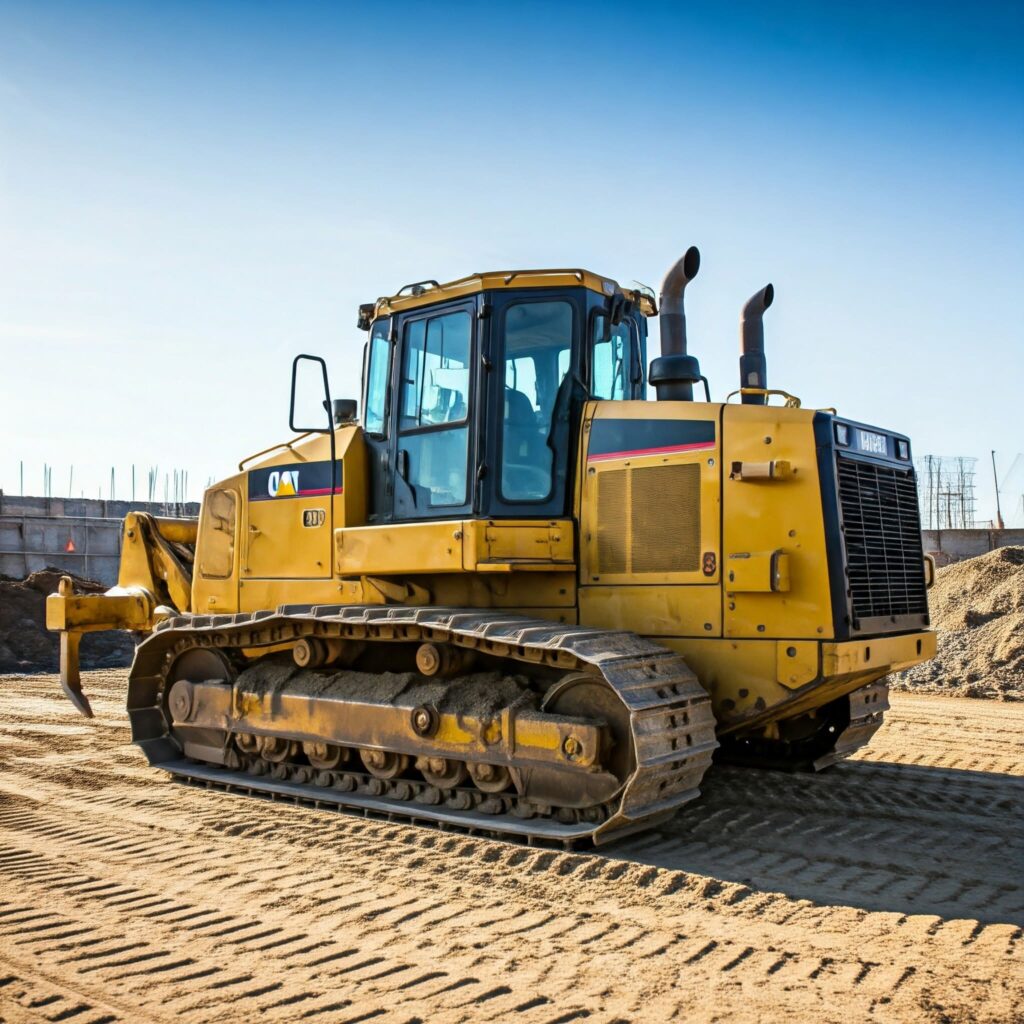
<point x="490" y="778"/>
<point x="580" y="695"/>
<point x="324" y="755"/>
<point x="442" y="772"/>
<point x="384" y="764"/>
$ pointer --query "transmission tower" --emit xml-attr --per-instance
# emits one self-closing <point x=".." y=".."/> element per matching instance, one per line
<point x="946" y="491"/>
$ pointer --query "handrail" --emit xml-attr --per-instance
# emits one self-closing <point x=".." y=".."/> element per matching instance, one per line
<point x="511" y="275"/>
<point x="281" y="444"/>
<point x="792" y="402"/>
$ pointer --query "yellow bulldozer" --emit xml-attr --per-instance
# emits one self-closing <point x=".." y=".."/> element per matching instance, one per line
<point x="515" y="595"/>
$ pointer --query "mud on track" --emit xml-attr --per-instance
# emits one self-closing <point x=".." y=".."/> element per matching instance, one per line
<point x="887" y="889"/>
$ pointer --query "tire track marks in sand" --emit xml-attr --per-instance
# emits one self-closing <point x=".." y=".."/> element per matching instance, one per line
<point x="141" y="900"/>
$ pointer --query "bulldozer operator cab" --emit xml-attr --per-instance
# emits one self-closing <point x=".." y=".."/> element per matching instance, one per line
<point x="470" y="401"/>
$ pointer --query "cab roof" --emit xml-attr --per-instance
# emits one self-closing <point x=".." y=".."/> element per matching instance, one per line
<point x="426" y="293"/>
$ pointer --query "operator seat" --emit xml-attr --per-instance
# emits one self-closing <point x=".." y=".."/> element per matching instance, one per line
<point x="520" y="436"/>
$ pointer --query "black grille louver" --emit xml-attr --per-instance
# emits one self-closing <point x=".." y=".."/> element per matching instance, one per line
<point x="882" y="533"/>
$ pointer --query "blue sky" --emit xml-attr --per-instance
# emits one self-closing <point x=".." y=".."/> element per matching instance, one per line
<point x="191" y="193"/>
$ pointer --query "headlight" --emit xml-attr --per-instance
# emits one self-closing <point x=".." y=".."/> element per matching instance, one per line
<point x="842" y="434"/>
<point x="902" y="449"/>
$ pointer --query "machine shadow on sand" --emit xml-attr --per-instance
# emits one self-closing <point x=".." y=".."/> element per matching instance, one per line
<point x="876" y="835"/>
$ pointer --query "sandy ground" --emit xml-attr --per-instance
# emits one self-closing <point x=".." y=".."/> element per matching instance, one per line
<point x="888" y="889"/>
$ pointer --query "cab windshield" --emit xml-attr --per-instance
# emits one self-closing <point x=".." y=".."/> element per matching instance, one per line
<point x="537" y="355"/>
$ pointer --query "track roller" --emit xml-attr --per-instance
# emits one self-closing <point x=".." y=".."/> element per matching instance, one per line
<point x="384" y="764"/>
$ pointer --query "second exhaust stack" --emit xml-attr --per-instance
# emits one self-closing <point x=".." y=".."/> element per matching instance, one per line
<point x="753" y="365"/>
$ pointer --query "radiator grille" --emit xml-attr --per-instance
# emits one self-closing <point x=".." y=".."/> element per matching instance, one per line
<point x="882" y="530"/>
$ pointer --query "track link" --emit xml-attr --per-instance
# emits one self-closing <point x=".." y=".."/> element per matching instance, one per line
<point x="670" y="719"/>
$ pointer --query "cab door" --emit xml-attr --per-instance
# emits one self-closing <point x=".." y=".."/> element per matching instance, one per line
<point x="433" y="443"/>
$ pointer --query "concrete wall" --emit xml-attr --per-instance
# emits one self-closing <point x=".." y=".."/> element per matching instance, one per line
<point x="956" y="545"/>
<point x="35" y="533"/>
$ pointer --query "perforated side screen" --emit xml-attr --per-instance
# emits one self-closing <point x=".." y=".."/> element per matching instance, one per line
<point x="666" y="519"/>
<point x="649" y="519"/>
<point x="612" y="525"/>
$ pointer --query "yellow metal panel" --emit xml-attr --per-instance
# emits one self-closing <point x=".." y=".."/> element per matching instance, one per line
<point x="776" y="514"/>
<point x="752" y="680"/>
<point x="738" y="674"/>
<point x="757" y="572"/>
<point x="216" y="595"/>
<point x="86" y="613"/>
<point x="290" y="535"/>
<point x="350" y="505"/>
<point x="502" y="279"/>
<point x="257" y="594"/>
<point x="405" y="548"/>
<point x="472" y="545"/>
<point x="549" y="595"/>
<point x="218" y="533"/>
<point x="617" y="501"/>
<point x="535" y="544"/>
<point x="279" y="543"/>
<point x="797" y="662"/>
<point x="654" y="611"/>
<point x="889" y="653"/>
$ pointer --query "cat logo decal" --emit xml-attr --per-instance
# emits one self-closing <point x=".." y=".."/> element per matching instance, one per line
<point x="273" y="483"/>
<point x="283" y="484"/>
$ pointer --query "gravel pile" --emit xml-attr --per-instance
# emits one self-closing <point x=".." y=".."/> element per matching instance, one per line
<point x="977" y="607"/>
<point x="26" y="645"/>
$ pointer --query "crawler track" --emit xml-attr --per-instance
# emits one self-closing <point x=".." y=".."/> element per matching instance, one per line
<point x="671" y="727"/>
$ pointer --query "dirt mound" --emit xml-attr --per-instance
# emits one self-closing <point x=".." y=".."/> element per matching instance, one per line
<point x="977" y="607"/>
<point x="26" y="645"/>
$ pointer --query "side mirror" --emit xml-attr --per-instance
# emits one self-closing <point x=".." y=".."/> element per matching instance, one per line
<point x="315" y="393"/>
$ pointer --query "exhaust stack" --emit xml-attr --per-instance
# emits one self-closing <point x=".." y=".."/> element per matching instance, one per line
<point x="753" y="365"/>
<point x="674" y="372"/>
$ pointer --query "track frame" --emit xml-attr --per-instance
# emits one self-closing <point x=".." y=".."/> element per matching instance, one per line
<point x="672" y="728"/>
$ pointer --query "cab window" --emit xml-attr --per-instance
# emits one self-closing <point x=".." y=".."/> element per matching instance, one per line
<point x="537" y="354"/>
<point x="613" y="359"/>
<point x="377" y="373"/>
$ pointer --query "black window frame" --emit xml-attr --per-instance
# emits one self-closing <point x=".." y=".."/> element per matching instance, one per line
<point x="400" y="325"/>
<point x="636" y="351"/>
<point x="491" y="501"/>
